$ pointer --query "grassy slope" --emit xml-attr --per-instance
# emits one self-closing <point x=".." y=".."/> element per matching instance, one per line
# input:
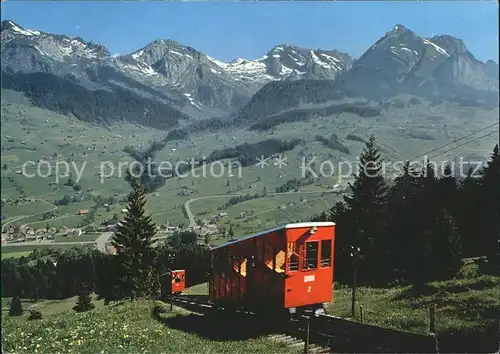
<point x="127" y="327"/>
<point x="467" y="303"/>
<point x="467" y="309"/>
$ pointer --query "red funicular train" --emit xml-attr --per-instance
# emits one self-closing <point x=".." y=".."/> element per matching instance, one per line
<point x="286" y="268"/>
<point x="175" y="282"/>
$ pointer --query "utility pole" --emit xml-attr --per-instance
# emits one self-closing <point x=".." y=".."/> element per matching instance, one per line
<point x="354" y="254"/>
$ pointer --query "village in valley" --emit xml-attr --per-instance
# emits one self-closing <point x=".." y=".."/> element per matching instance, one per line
<point x="16" y="235"/>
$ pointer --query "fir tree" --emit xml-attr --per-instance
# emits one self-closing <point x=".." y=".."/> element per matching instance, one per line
<point x="367" y="205"/>
<point x="447" y="190"/>
<point x="447" y="247"/>
<point x="84" y="302"/>
<point x="403" y="226"/>
<point x="16" y="308"/>
<point x="468" y="212"/>
<point x="490" y="196"/>
<point x="133" y="240"/>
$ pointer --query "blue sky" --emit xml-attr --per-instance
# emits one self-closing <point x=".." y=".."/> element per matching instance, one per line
<point x="227" y="30"/>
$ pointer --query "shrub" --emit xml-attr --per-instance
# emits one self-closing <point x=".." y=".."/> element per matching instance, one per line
<point x="35" y="315"/>
<point x="84" y="302"/>
<point x="16" y="308"/>
<point x="160" y="307"/>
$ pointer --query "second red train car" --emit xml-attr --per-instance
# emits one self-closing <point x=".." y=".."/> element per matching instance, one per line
<point x="175" y="282"/>
<point x="286" y="268"/>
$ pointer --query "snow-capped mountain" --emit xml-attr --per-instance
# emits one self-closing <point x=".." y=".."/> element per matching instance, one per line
<point x="178" y="73"/>
<point x="288" y="62"/>
<point x="187" y="80"/>
<point x="25" y="50"/>
<point x="399" y="62"/>
<point x="206" y="81"/>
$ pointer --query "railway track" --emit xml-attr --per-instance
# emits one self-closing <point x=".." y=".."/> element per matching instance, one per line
<point x="324" y="333"/>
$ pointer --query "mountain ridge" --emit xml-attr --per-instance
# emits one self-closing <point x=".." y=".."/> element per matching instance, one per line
<point x="190" y="76"/>
<point x="197" y="85"/>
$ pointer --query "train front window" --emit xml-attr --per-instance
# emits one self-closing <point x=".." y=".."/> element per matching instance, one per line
<point x="326" y="252"/>
<point x="311" y="256"/>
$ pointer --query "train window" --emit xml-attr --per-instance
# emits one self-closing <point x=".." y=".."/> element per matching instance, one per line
<point x="326" y="252"/>
<point x="311" y="256"/>
<point x="293" y="257"/>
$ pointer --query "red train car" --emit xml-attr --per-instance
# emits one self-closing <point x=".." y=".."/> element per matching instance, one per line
<point x="176" y="282"/>
<point x="289" y="267"/>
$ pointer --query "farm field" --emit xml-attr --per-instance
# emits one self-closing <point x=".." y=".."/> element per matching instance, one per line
<point x="6" y="250"/>
<point x="7" y="255"/>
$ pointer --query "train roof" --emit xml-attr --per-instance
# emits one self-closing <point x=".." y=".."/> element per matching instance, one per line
<point x="281" y="227"/>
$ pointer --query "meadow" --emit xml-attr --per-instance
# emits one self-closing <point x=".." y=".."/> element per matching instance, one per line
<point x="125" y="327"/>
<point x="466" y="317"/>
<point x="466" y="307"/>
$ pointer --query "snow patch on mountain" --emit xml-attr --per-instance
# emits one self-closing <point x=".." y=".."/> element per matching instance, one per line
<point x="243" y="69"/>
<point x="188" y="96"/>
<point x="23" y="31"/>
<point x="438" y="48"/>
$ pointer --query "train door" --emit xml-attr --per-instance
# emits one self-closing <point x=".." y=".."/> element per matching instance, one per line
<point x="310" y="252"/>
<point x="302" y="285"/>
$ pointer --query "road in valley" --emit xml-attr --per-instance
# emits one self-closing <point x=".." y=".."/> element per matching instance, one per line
<point x="192" y="221"/>
<point x="100" y="242"/>
<point x="17" y="218"/>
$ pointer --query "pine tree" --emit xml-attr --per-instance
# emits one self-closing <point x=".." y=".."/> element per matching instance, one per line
<point x="133" y="240"/>
<point x="367" y="214"/>
<point x="339" y="214"/>
<point x="447" y="247"/>
<point x="84" y="302"/>
<point x="403" y="226"/>
<point x="16" y="308"/>
<point x="428" y="199"/>
<point x="490" y="195"/>
<point x="447" y="188"/>
<point x="469" y="211"/>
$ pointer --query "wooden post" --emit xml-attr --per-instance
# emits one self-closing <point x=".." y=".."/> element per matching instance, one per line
<point x="432" y="318"/>
<point x="353" y="300"/>
<point x="306" y="343"/>
<point x="361" y="313"/>
<point x="171" y="302"/>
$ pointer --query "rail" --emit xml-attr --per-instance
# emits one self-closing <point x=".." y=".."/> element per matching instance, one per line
<point x="342" y="335"/>
<point x="334" y="333"/>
